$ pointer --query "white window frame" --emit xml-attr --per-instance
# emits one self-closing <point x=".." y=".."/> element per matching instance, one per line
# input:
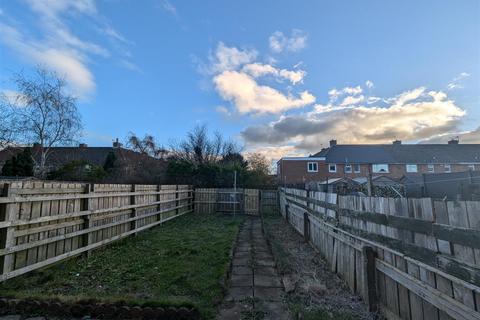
<point x="471" y="167"/>
<point x="430" y="168"/>
<point x="348" y="166"/>
<point x="355" y="166"/>
<point x="330" y="167"/>
<point x="314" y="167"/>
<point x="447" y="168"/>
<point x="409" y="168"/>
<point x="376" y="168"/>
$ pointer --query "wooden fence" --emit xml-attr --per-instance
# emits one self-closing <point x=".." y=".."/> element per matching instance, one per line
<point x="45" y="222"/>
<point x="412" y="258"/>
<point x="241" y="201"/>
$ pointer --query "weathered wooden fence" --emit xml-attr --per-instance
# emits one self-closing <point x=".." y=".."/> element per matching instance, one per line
<point x="241" y="201"/>
<point x="412" y="258"/>
<point x="45" y="222"/>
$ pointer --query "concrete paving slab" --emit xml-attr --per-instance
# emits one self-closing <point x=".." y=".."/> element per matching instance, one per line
<point x="238" y="280"/>
<point x="239" y="294"/>
<point x="268" y="294"/>
<point x="264" y="262"/>
<point x="274" y="311"/>
<point x="263" y="255"/>
<point x="268" y="271"/>
<point x="241" y="262"/>
<point x="267" y="281"/>
<point x="242" y="270"/>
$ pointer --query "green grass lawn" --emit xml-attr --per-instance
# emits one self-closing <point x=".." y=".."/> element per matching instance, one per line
<point x="179" y="263"/>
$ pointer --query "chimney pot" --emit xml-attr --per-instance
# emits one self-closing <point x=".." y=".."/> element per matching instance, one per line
<point x="397" y="142"/>
<point x="82" y="145"/>
<point x="333" y="142"/>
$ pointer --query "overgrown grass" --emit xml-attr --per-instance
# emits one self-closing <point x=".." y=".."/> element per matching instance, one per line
<point x="180" y="263"/>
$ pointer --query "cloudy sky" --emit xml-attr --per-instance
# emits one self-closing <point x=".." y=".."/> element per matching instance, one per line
<point x="281" y="77"/>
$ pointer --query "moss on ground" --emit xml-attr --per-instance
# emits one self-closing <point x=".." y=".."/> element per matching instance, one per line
<point x="180" y="263"/>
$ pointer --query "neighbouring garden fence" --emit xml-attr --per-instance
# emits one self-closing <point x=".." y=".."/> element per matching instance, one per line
<point x="45" y="222"/>
<point x="235" y="201"/>
<point x="411" y="258"/>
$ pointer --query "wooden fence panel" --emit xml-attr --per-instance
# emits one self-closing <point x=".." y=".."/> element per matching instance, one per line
<point x="418" y="275"/>
<point x="45" y="222"/>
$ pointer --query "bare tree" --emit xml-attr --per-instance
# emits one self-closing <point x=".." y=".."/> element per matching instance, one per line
<point x="258" y="163"/>
<point x="48" y="115"/>
<point x="7" y="123"/>
<point x="146" y="145"/>
<point x="199" y="148"/>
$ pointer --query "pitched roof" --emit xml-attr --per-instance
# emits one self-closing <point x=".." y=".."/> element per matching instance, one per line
<point x="61" y="155"/>
<point x="402" y="153"/>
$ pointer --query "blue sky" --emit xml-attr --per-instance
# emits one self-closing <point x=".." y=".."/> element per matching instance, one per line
<point x="281" y="77"/>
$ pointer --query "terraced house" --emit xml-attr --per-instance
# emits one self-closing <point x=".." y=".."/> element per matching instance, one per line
<point x="392" y="160"/>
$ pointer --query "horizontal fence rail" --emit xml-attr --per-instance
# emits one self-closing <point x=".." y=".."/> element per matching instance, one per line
<point x="411" y="258"/>
<point x="45" y="222"/>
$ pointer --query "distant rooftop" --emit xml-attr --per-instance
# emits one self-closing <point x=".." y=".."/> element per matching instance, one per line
<point x="453" y="152"/>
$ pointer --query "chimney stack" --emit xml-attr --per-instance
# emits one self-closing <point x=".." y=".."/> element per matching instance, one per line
<point x="454" y="141"/>
<point x="82" y="145"/>
<point x="117" y="144"/>
<point x="333" y="142"/>
<point x="395" y="142"/>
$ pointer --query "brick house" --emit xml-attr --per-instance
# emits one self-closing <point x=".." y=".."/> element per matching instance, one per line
<point x="392" y="160"/>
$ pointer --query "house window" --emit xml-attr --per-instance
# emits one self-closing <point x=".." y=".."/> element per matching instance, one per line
<point x="431" y="168"/>
<point x="447" y="168"/>
<point x="332" y="168"/>
<point x="380" y="168"/>
<point x="356" y="168"/>
<point x="312" y="167"/>
<point x="348" y="168"/>
<point x="471" y="167"/>
<point x="279" y="171"/>
<point x="412" y="168"/>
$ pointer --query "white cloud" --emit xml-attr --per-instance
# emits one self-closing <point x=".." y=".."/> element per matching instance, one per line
<point x="13" y="98"/>
<point x="334" y="93"/>
<point x="411" y="115"/>
<point x="369" y="84"/>
<point x="236" y="76"/>
<point x="167" y="6"/>
<point x="65" y="62"/>
<point x="296" y="42"/>
<point x="57" y="48"/>
<point x="258" y="70"/>
<point x="250" y="97"/>
<point x="457" y="82"/>
<point x="229" y="58"/>
<point x="352" y="100"/>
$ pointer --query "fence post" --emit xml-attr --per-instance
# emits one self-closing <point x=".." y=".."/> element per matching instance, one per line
<point x="369" y="277"/>
<point x="8" y="233"/>
<point x="306" y="227"/>
<point x="159" y="205"/>
<point x="177" y="210"/>
<point x="133" y="214"/>
<point x="87" y="221"/>
<point x="286" y="213"/>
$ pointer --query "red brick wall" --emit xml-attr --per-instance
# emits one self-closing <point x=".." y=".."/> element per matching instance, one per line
<point x="295" y="171"/>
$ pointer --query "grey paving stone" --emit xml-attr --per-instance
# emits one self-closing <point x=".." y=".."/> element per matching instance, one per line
<point x="265" y="262"/>
<point x="274" y="311"/>
<point x="268" y="271"/>
<point x="267" y="281"/>
<point x="268" y="294"/>
<point x="238" y="280"/>
<point x="263" y="255"/>
<point x="242" y="254"/>
<point x="234" y="312"/>
<point x="239" y="293"/>
<point x="241" y="262"/>
<point x="11" y="317"/>
<point x="242" y="270"/>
